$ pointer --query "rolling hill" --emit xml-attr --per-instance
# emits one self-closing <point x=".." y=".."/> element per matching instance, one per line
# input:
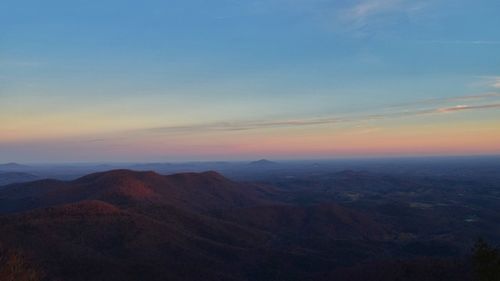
<point x="128" y="225"/>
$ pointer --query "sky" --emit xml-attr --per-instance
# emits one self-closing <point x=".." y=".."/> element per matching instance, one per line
<point x="183" y="80"/>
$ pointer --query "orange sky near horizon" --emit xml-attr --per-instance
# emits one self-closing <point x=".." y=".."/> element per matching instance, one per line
<point x="457" y="133"/>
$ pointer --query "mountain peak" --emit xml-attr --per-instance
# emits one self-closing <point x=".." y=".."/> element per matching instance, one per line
<point x="12" y="165"/>
<point x="213" y="174"/>
<point x="263" y="162"/>
<point x="119" y="173"/>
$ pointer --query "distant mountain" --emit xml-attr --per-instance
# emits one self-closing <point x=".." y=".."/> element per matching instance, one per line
<point x="15" y="177"/>
<point x="151" y="166"/>
<point x="13" y="167"/>
<point x="262" y="162"/>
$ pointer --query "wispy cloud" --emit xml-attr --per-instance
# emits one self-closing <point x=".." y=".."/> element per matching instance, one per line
<point x="367" y="9"/>
<point x="496" y="83"/>
<point x="465" y="98"/>
<point x="491" y="82"/>
<point x="329" y="120"/>
<point x="367" y="12"/>
<point x="462" y="42"/>
<point x="360" y="122"/>
<point x="467" y="107"/>
<point x="344" y="16"/>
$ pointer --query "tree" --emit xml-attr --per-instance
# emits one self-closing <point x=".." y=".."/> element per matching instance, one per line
<point x="486" y="261"/>
<point x="13" y="267"/>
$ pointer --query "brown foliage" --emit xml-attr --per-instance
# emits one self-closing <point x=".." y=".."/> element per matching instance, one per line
<point x="14" y="267"/>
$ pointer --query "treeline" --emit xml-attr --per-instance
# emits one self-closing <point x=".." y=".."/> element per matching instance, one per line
<point x="486" y="261"/>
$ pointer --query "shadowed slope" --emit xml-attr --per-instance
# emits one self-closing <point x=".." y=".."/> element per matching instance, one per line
<point x="94" y="240"/>
<point x="325" y="220"/>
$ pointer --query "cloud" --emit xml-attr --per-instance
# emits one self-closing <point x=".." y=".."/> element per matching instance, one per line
<point x="246" y="125"/>
<point x="375" y="12"/>
<point x="496" y="83"/>
<point x="467" y="107"/>
<point x="452" y="109"/>
<point x="355" y="120"/>
<point x="343" y="16"/>
<point x="463" y="42"/>
<point x="428" y="107"/>
<point x="366" y="9"/>
<point x="329" y="120"/>
<point x="492" y="82"/>
<point x="466" y="98"/>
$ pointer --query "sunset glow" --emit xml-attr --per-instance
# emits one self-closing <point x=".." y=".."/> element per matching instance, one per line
<point x="235" y="80"/>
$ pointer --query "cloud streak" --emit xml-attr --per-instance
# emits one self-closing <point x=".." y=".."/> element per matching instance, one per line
<point x="367" y="12"/>
<point x="273" y="124"/>
<point x="496" y="83"/>
<point x="467" y="107"/>
<point x="367" y="9"/>
<point x="466" y="98"/>
<point x="463" y="42"/>
<point x="346" y="16"/>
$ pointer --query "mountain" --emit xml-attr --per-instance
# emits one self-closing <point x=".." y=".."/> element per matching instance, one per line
<point x="126" y="225"/>
<point x="15" y="177"/>
<point x="13" y="167"/>
<point x="324" y="220"/>
<point x="197" y="191"/>
<point x="262" y="162"/>
<point x="129" y="225"/>
<point x="94" y="240"/>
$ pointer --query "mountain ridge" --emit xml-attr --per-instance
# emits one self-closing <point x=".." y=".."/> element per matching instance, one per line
<point x="122" y="225"/>
<point x="207" y="190"/>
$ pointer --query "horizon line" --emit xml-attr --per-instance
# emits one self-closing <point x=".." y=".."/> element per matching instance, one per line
<point x="247" y="160"/>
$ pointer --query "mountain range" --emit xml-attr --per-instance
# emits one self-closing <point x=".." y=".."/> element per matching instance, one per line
<point x="129" y="225"/>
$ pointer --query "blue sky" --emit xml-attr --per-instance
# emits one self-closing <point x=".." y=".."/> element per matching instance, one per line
<point x="113" y="70"/>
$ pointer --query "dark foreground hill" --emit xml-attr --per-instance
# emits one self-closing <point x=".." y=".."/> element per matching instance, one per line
<point x="125" y="225"/>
